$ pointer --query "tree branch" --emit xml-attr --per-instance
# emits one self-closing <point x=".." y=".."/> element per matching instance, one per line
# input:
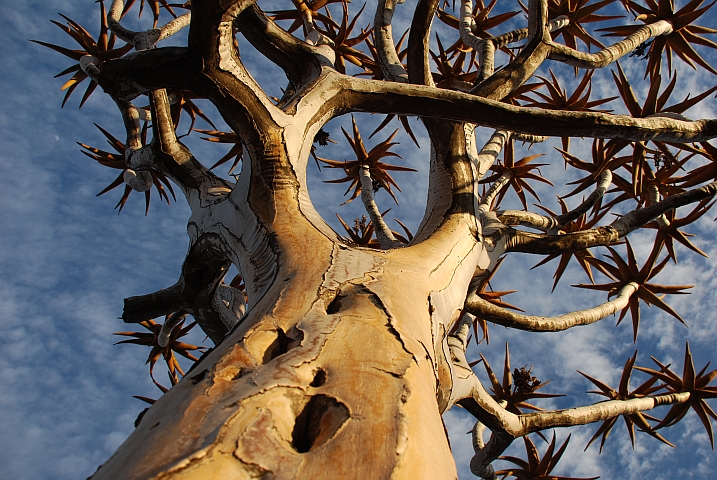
<point x="356" y="94"/>
<point x="167" y="67"/>
<point x="608" y="55"/>
<point x="170" y="323"/>
<point x="131" y="117"/>
<point x="639" y="217"/>
<point x="588" y="203"/>
<point x="486" y="47"/>
<point x="528" y="219"/>
<point x="383" y="33"/>
<point x="202" y="271"/>
<point x="153" y="305"/>
<point x="534" y="422"/>
<point x="230" y="304"/>
<point x="654" y="192"/>
<point x="526" y="242"/>
<point x="485" y="453"/>
<point x="517" y="241"/>
<point x="419" y="38"/>
<point x="169" y="156"/>
<point x="490" y="151"/>
<point x="299" y="60"/>
<point x="552" y="225"/>
<point x="313" y="36"/>
<point x="147" y="39"/>
<point x="240" y="100"/>
<point x="522" y="67"/>
<point x="488" y="311"/>
<point x="469" y="393"/>
<point x="385" y="238"/>
<point x="487" y="200"/>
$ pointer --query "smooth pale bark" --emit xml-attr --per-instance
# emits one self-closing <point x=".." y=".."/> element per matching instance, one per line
<point x="501" y="316"/>
<point x="608" y="55"/>
<point x="383" y="234"/>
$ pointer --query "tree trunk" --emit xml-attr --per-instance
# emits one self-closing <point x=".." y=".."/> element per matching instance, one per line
<point x="333" y="373"/>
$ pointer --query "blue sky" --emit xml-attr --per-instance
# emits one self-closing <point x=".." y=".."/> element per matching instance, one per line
<point x="68" y="260"/>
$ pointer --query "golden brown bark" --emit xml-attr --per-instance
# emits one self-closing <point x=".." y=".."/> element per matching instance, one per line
<point x="332" y="374"/>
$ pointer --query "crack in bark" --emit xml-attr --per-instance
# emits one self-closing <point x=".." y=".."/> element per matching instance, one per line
<point x="376" y="300"/>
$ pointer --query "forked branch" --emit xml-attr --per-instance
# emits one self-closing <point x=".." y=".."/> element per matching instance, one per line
<point x="147" y="39"/>
<point x="552" y="225"/>
<point x="506" y="426"/>
<point x="356" y="94"/>
<point x="499" y="85"/>
<point x="603" y="236"/>
<point x="299" y="60"/>
<point x="203" y="270"/>
<point x="486" y="47"/>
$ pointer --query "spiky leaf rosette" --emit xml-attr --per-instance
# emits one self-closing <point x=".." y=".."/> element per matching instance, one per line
<point x="557" y="98"/>
<point x="342" y="42"/>
<point x="623" y="393"/>
<point x="455" y="72"/>
<point x="685" y="34"/>
<point x="581" y="256"/>
<point x="667" y="235"/>
<point x="602" y="158"/>
<point x="655" y="104"/>
<point x="150" y="339"/>
<point x="536" y="468"/>
<point x="704" y="174"/>
<point x="373" y="70"/>
<point x="378" y="170"/>
<point x="516" y="394"/>
<point x="696" y="383"/>
<point x="520" y="172"/>
<point x="624" y="272"/>
<point x="102" y="49"/>
<point x="235" y="153"/>
<point x="580" y="12"/>
<point x="362" y="231"/>
<point x="637" y="160"/>
<point x="403" y="120"/>
<point x="154" y="5"/>
<point x="295" y="14"/>
<point x="116" y="160"/>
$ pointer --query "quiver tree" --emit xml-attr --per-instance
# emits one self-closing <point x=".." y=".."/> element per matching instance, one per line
<point x="336" y="356"/>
